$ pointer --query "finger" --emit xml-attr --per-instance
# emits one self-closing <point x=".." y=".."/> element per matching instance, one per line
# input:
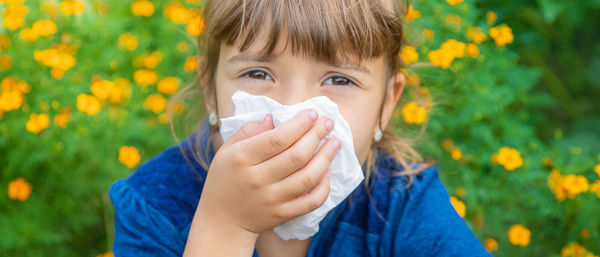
<point x="295" y="157"/>
<point x="265" y="145"/>
<point x="306" y="178"/>
<point x="250" y="129"/>
<point x="307" y="202"/>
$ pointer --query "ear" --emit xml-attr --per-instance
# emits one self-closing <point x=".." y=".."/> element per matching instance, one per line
<point x="394" y="90"/>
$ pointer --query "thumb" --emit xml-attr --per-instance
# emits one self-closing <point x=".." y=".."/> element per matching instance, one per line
<point x="250" y="129"/>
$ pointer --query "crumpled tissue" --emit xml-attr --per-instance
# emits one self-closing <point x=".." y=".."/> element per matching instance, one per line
<point x="345" y="170"/>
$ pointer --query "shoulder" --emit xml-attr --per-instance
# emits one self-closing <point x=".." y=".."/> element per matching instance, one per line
<point x="167" y="183"/>
<point x="422" y="217"/>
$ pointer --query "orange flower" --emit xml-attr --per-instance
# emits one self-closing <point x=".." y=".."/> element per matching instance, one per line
<point x="72" y="7"/>
<point x="168" y="85"/>
<point x="519" y="235"/>
<point x="475" y="35"/>
<point x="412" y="14"/>
<point x="191" y="63"/>
<point x="491" y="244"/>
<point x="413" y="113"/>
<point x="195" y="26"/>
<point x="459" y="206"/>
<point x="409" y="54"/>
<point x="501" y="34"/>
<point x="63" y="117"/>
<point x="128" y="41"/>
<point x="472" y="50"/>
<point x="19" y="189"/>
<point x="428" y="33"/>
<point x="177" y="13"/>
<point x="145" y="77"/>
<point x="456" y="153"/>
<point x="129" y="156"/>
<point x="454" y="2"/>
<point x="508" y="157"/>
<point x="142" y="8"/>
<point x="155" y="103"/>
<point x="102" y="89"/>
<point x="88" y="104"/>
<point x="5" y="62"/>
<point x="44" y="27"/>
<point x="441" y="58"/>
<point x="28" y="34"/>
<point x="37" y="122"/>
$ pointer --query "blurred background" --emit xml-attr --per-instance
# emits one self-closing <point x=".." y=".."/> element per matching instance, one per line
<point x="503" y="95"/>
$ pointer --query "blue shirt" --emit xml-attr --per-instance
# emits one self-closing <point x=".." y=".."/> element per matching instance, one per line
<point x="155" y="205"/>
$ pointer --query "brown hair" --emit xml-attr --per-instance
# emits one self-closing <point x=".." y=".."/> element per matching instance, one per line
<point x="329" y="30"/>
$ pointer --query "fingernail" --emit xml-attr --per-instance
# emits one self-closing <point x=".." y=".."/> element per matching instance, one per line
<point x="335" y="144"/>
<point x="313" y="115"/>
<point x="329" y="124"/>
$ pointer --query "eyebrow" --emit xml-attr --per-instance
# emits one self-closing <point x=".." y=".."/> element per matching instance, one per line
<point x="263" y="58"/>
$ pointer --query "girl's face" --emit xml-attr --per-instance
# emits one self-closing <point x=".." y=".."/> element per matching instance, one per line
<point x="289" y="79"/>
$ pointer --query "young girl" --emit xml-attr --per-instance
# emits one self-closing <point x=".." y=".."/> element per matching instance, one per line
<point x="227" y="201"/>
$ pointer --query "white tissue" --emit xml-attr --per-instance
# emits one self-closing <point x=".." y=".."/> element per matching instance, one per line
<point x="345" y="170"/>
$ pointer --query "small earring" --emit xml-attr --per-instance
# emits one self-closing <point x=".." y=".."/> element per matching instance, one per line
<point x="378" y="135"/>
<point x="212" y="118"/>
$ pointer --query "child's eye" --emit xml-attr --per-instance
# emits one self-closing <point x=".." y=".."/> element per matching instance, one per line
<point x="339" y="81"/>
<point x="257" y="74"/>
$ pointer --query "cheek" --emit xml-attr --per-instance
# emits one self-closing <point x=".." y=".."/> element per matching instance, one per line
<point x="361" y="118"/>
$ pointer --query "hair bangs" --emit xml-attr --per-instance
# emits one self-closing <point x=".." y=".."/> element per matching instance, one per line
<point x="328" y="30"/>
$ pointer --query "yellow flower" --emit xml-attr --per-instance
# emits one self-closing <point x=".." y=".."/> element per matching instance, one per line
<point x="584" y="233"/>
<point x="57" y="73"/>
<point x="572" y="250"/>
<point x="88" y="104"/>
<point x="575" y="184"/>
<point x="491" y="17"/>
<point x="472" y="50"/>
<point x="459" y="206"/>
<point x="11" y="100"/>
<point x="441" y="58"/>
<point x="195" y="26"/>
<point x="455" y="47"/>
<point x="509" y="158"/>
<point x="128" y="41"/>
<point x="456" y="153"/>
<point x="501" y="34"/>
<point x="177" y="13"/>
<point x="121" y="91"/>
<point x="145" y="77"/>
<point x="555" y="183"/>
<point x="412" y="14"/>
<point x="63" y="117"/>
<point x="150" y="61"/>
<point x="475" y="35"/>
<point x="5" y="62"/>
<point x="155" y="103"/>
<point x="191" y="63"/>
<point x="102" y="89"/>
<point x="28" y="34"/>
<point x="19" y="189"/>
<point x="428" y="33"/>
<point x="597" y="169"/>
<point x="453" y="20"/>
<point x="460" y="191"/>
<point x="44" y="27"/>
<point x="4" y="42"/>
<point x="168" y="85"/>
<point x="519" y="235"/>
<point x="409" y="54"/>
<point x="72" y="7"/>
<point x="13" y="21"/>
<point x="413" y="113"/>
<point x="37" y="122"/>
<point x="454" y="2"/>
<point x="182" y="46"/>
<point x="595" y="187"/>
<point x="129" y="156"/>
<point x="163" y="118"/>
<point x="13" y="84"/>
<point x="491" y="244"/>
<point x="142" y="8"/>
<point x="55" y="58"/>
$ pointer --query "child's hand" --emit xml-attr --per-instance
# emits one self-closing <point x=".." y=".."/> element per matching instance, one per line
<point x="252" y="183"/>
